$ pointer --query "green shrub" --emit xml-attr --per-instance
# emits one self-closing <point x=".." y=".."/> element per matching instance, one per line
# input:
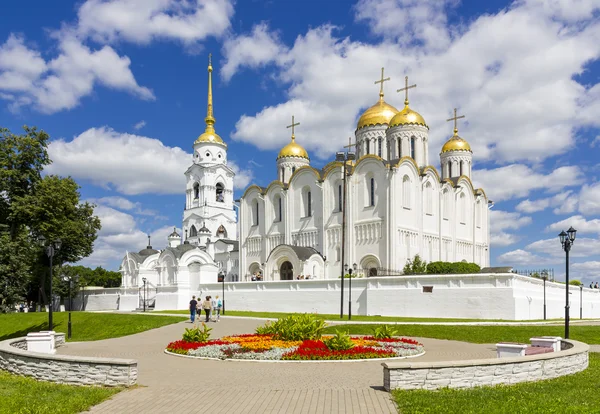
<point x="575" y="282"/>
<point x="339" y="342"/>
<point x="384" y="332"/>
<point x="196" y="334"/>
<point x="415" y="266"/>
<point x="448" y="268"/>
<point x="294" y="328"/>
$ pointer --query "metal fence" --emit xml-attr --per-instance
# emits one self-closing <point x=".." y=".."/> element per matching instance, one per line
<point x="537" y="273"/>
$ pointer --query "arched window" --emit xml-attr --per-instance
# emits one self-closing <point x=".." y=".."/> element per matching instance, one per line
<point x="339" y="198"/>
<point x="368" y="146"/>
<point x="428" y="199"/>
<point x="445" y="204"/>
<point x="463" y="208"/>
<point x="460" y="164"/>
<point x="283" y="175"/>
<point x="255" y="213"/>
<point x="412" y="147"/>
<point x="308" y="204"/>
<point x="379" y="147"/>
<point x="279" y="205"/>
<point x="337" y="254"/>
<point x="371" y="191"/>
<point x="220" y="193"/>
<point x="406" y="188"/>
<point x="193" y="231"/>
<point x="293" y="170"/>
<point x="196" y="191"/>
<point x="399" y="148"/>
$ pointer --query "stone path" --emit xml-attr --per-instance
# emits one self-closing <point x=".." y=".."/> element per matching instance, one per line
<point x="170" y="384"/>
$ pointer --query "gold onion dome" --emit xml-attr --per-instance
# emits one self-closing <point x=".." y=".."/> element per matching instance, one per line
<point x="209" y="134"/>
<point x="407" y="117"/>
<point x="380" y="113"/>
<point x="293" y="150"/>
<point x="456" y="143"/>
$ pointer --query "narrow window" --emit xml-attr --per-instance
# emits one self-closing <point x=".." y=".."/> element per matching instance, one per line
<point x="193" y="231"/>
<point x="196" y="190"/>
<point x="406" y="192"/>
<point x="339" y="197"/>
<point x="293" y="170"/>
<point x="279" y="207"/>
<point x="412" y="147"/>
<point x="379" y="148"/>
<point x="219" y="193"/>
<point x="283" y="175"/>
<point x="256" y="213"/>
<point x="428" y="199"/>
<point x="372" y="192"/>
<point x="308" y="204"/>
<point x="461" y="168"/>
<point x="368" y="146"/>
<point x="463" y="208"/>
<point x="399" y="148"/>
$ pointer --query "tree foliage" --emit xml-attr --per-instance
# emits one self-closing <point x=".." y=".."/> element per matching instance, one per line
<point x="416" y="266"/>
<point x="447" y="268"/>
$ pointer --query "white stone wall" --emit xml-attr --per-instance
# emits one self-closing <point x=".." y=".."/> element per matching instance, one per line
<point x="66" y="369"/>
<point x="476" y="373"/>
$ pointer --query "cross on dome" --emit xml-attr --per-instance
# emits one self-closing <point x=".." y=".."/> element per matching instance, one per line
<point x="292" y="126"/>
<point x="455" y="118"/>
<point x="381" y="82"/>
<point x="405" y="89"/>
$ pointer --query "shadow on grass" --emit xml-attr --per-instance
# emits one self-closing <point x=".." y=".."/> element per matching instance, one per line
<point x="24" y="332"/>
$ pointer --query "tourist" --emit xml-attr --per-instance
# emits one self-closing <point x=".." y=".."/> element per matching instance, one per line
<point x="206" y="307"/>
<point x="596" y="285"/>
<point x="213" y="308"/>
<point x="193" y="304"/>
<point x="217" y="310"/>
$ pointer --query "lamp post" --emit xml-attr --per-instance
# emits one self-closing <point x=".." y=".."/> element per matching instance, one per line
<point x="51" y="249"/>
<point x="349" y="270"/>
<point x="144" y="280"/>
<point x="69" y="280"/>
<point x="544" y="278"/>
<point x="580" y="301"/>
<point x="343" y="157"/>
<point x="223" y="293"/>
<point x="567" y="239"/>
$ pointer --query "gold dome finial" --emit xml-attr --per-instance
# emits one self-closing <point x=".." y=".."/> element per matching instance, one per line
<point x="455" y="119"/>
<point x="379" y="114"/>
<point x="209" y="134"/>
<point x="293" y="149"/>
<point x="407" y="116"/>
<point x="405" y="89"/>
<point x="381" y="82"/>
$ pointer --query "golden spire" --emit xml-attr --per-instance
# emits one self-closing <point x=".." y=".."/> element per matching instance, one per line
<point x="381" y="82"/>
<point x="209" y="134"/>
<point x="455" y="118"/>
<point x="405" y="89"/>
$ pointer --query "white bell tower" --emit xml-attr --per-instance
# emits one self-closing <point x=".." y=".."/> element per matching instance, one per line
<point x="209" y="183"/>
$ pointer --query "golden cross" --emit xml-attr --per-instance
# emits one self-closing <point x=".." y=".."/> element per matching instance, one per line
<point x="381" y="81"/>
<point x="405" y="89"/>
<point x="350" y="144"/>
<point x="292" y="126"/>
<point x="455" y="118"/>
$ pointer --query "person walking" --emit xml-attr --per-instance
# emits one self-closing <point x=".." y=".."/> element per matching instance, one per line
<point x="217" y="308"/>
<point x="206" y="305"/>
<point x="193" y="304"/>
<point x="213" y="308"/>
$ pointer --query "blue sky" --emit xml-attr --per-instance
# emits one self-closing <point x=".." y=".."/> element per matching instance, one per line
<point x="120" y="85"/>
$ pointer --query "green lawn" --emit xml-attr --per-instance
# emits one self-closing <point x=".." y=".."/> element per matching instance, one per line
<point x="358" y="318"/>
<point x="480" y="334"/>
<point x="576" y="393"/>
<point x="28" y="396"/>
<point x="86" y="326"/>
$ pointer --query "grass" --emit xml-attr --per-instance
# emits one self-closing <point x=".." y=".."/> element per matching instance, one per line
<point x="85" y="326"/>
<point x="481" y="334"/>
<point x="26" y="395"/>
<point x="359" y="318"/>
<point x="576" y="393"/>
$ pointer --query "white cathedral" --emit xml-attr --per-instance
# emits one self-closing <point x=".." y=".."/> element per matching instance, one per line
<point x="397" y="206"/>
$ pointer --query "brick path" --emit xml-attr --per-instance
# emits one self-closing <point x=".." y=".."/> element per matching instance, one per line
<point x="170" y="384"/>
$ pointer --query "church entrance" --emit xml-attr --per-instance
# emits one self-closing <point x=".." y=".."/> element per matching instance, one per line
<point x="286" y="271"/>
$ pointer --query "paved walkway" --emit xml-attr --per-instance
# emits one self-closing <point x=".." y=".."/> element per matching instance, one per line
<point x="170" y="384"/>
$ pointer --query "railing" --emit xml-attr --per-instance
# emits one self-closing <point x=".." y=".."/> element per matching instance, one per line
<point x="537" y="273"/>
<point x="149" y="295"/>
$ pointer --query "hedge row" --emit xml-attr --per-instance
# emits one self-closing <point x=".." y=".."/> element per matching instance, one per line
<point x="446" y="268"/>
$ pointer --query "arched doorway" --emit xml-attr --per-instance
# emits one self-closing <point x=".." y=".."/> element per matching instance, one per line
<point x="286" y="271"/>
<point x="372" y="271"/>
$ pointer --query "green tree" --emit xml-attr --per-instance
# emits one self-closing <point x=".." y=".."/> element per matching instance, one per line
<point x="415" y="266"/>
<point x="15" y="265"/>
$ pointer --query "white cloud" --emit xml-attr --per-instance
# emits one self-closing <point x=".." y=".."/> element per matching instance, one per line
<point x="522" y="258"/>
<point x="142" y="21"/>
<point x="565" y="203"/>
<point x="589" y="199"/>
<point x="595" y="142"/>
<point x="583" y="247"/>
<point x="133" y="164"/>
<point x="122" y="203"/>
<point x="504" y="220"/>
<point x="139" y="125"/>
<point x="587" y="272"/>
<point x="60" y="83"/>
<point x="512" y="73"/>
<point x="579" y="223"/>
<point x="518" y="180"/>
<point x="570" y="10"/>
<point x="254" y="50"/>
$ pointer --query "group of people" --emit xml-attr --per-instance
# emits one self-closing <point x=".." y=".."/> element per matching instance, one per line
<point x="594" y="286"/>
<point x="211" y="306"/>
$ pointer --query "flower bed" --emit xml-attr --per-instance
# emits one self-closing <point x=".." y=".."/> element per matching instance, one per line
<point x="265" y="347"/>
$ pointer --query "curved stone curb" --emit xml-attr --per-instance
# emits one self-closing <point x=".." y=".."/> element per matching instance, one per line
<point x="66" y="369"/>
<point x="484" y="372"/>
<point x="283" y="361"/>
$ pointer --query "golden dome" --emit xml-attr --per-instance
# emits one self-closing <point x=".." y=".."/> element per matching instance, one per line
<point x="209" y="136"/>
<point x="456" y="143"/>
<point x="293" y="150"/>
<point x="407" y="117"/>
<point x="380" y="113"/>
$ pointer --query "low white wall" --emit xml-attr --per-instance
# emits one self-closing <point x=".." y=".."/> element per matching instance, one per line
<point x="476" y="373"/>
<point x="476" y="296"/>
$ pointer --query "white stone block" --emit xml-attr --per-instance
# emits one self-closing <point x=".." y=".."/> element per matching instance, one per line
<point x="42" y="342"/>
<point x="547" y="342"/>
<point x="507" y="350"/>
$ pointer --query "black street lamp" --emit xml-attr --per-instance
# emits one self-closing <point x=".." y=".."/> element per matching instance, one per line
<point x="69" y="280"/>
<point x="344" y="157"/>
<point x="580" y="301"/>
<point x="544" y="278"/>
<point x="144" y="280"/>
<point x="222" y="293"/>
<point x="354" y="267"/>
<point x="567" y="239"/>
<point x="51" y="249"/>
